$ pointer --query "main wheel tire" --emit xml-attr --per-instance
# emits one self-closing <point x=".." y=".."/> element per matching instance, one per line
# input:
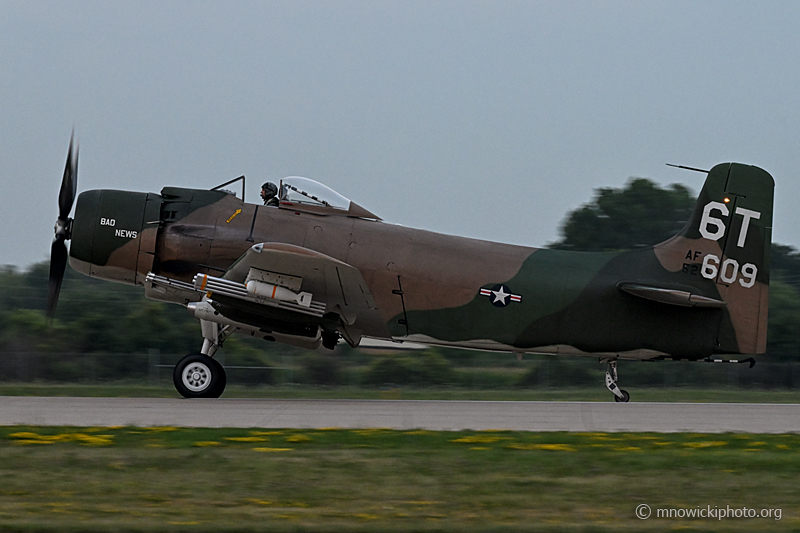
<point x="222" y="380"/>
<point x="199" y="376"/>
<point x="625" y="396"/>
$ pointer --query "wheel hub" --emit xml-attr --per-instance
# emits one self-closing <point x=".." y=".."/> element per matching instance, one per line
<point x="197" y="377"/>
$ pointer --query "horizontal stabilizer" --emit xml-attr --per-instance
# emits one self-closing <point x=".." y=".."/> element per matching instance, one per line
<point x="670" y="296"/>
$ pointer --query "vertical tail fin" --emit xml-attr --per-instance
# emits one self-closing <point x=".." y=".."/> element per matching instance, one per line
<point x="726" y="246"/>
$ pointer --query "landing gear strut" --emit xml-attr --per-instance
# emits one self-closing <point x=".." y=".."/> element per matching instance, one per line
<point x="611" y="382"/>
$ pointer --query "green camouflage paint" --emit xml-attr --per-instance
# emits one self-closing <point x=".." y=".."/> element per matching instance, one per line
<point x="465" y="292"/>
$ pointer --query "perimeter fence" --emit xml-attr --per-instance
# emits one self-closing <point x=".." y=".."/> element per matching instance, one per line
<point x="425" y="369"/>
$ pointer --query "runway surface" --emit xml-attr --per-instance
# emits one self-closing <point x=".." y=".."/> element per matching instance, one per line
<point x="401" y="414"/>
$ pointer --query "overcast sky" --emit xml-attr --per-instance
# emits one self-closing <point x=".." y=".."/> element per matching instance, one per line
<point x="484" y="119"/>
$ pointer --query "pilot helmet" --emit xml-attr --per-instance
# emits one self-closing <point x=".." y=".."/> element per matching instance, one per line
<point x="270" y="188"/>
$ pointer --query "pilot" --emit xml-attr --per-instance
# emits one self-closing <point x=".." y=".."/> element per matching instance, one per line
<point x="269" y="193"/>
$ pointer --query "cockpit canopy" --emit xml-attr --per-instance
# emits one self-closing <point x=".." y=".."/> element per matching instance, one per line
<point x="299" y="190"/>
<point x="303" y="194"/>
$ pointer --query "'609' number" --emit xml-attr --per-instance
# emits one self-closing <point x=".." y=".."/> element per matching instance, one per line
<point x="729" y="270"/>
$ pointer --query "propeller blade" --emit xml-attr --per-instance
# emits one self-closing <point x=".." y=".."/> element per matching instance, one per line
<point x="58" y="264"/>
<point x="58" y="250"/>
<point x="69" y="183"/>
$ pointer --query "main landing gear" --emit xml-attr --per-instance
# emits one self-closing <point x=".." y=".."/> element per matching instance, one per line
<point x="198" y="375"/>
<point x="611" y="382"/>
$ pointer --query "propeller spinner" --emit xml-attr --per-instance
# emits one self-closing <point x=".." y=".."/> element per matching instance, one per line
<point x="63" y="228"/>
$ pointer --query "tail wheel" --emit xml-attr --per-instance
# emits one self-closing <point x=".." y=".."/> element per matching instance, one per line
<point x="199" y="376"/>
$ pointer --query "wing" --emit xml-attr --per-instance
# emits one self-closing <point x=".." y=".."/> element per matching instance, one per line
<point x="333" y="285"/>
<point x="284" y="289"/>
<point x="287" y="283"/>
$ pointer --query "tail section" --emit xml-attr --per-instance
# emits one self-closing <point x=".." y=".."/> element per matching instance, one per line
<point x="724" y="250"/>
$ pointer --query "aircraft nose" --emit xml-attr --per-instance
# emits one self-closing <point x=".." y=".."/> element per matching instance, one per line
<point x="106" y="234"/>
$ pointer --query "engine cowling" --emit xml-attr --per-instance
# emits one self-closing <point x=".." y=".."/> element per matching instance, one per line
<point x="114" y="234"/>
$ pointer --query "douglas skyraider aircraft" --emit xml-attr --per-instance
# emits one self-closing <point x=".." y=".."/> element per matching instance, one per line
<point x="319" y="268"/>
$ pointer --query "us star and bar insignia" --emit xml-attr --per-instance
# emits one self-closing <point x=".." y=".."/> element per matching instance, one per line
<point x="501" y="295"/>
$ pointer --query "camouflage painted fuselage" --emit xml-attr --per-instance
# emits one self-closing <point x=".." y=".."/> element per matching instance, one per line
<point x="702" y="292"/>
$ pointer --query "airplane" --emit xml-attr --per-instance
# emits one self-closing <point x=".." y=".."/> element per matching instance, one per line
<point x="318" y="269"/>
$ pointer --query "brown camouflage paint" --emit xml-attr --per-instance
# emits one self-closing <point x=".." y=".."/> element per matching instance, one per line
<point x="569" y="300"/>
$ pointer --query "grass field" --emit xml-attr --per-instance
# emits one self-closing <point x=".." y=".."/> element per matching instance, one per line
<point x="168" y="479"/>
<point x="165" y="389"/>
